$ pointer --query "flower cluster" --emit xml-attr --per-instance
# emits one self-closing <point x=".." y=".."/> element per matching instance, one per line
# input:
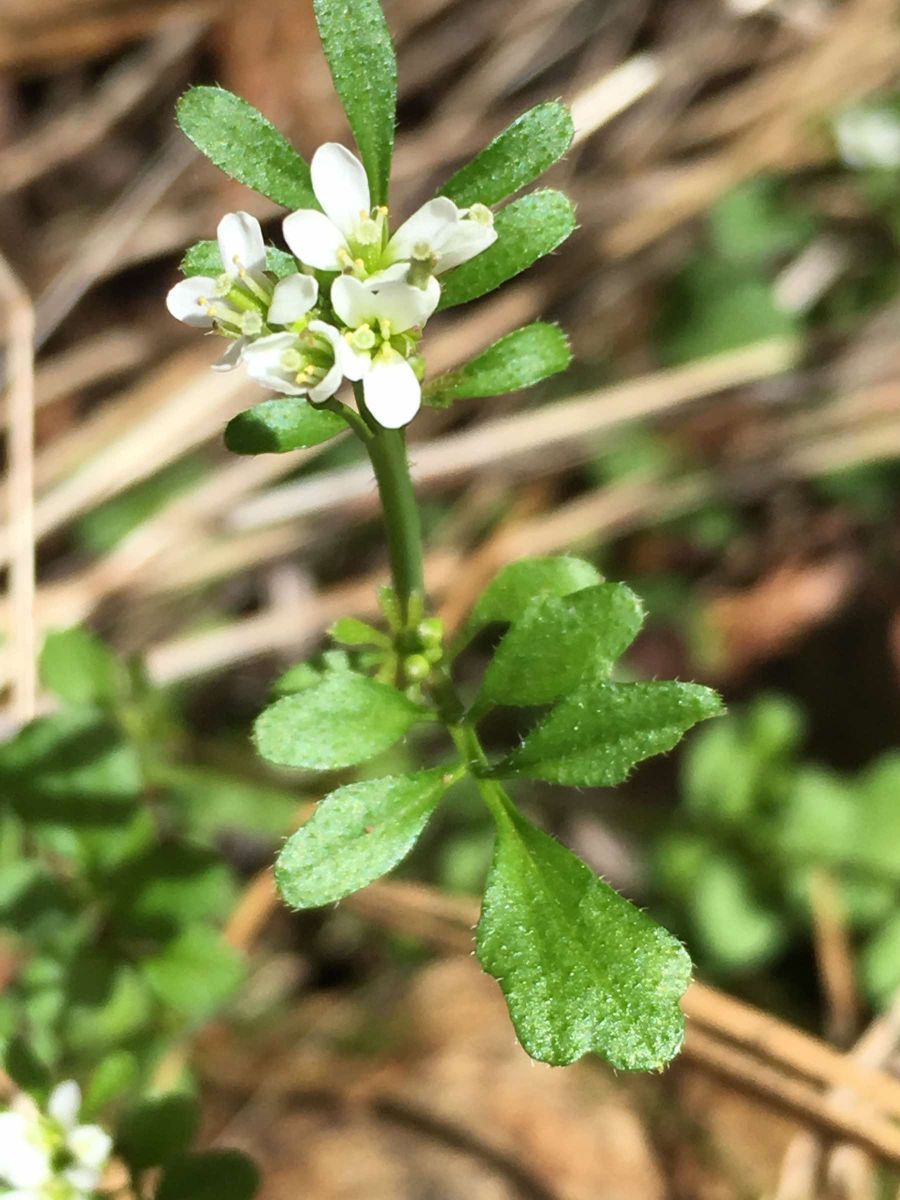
<point x="49" y="1156"/>
<point x="356" y="308"/>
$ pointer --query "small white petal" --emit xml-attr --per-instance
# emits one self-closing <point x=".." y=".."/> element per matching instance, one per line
<point x="91" y="1146"/>
<point x="393" y="393"/>
<point x="341" y="186"/>
<point x="466" y="240"/>
<point x="391" y="274"/>
<point x="328" y="385"/>
<point x="183" y="300"/>
<point x="400" y="303"/>
<point x="241" y="243"/>
<point x="345" y="356"/>
<point x="432" y="224"/>
<point x="292" y="299"/>
<point x="314" y="239"/>
<point x="232" y="356"/>
<point x="24" y="1163"/>
<point x="65" y="1103"/>
<point x="262" y="359"/>
<point x="354" y="364"/>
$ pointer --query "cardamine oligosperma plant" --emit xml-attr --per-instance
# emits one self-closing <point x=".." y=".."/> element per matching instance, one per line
<point x="581" y="968"/>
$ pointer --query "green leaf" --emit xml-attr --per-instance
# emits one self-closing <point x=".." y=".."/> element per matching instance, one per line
<point x="212" y="1175"/>
<point x="559" y="641"/>
<point x="582" y="969"/>
<point x="298" y="678"/>
<point x="215" y="801"/>
<point x="245" y="145"/>
<point x="738" y="929"/>
<point x="598" y="733"/>
<point x="107" y="1003"/>
<point x="350" y="631"/>
<point x="25" y="1068"/>
<point x="115" y="1076"/>
<point x="154" y="893"/>
<point x="511" y="590"/>
<point x="80" y="668"/>
<point x="357" y="834"/>
<point x="519" y="360"/>
<point x="195" y="973"/>
<point x="337" y="723"/>
<point x="157" y="1130"/>
<point x="203" y="258"/>
<point x="276" y="426"/>
<point x="527" y="229"/>
<point x="522" y="152"/>
<point x="357" y="44"/>
<point x="880" y="962"/>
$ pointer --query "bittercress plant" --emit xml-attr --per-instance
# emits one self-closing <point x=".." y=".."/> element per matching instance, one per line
<point x="583" y="970"/>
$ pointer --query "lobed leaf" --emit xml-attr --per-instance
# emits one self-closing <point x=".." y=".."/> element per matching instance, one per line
<point x="519" y="360"/>
<point x="210" y="1175"/>
<point x="80" y="668"/>
<point x="598" y="733"/>
<point x="357" y="834"/>
<point x="245" y="145"/>
<point x="511" y="590"/>
<point x="518" y="155"/>
<point x="282" y="424"/>
<point x="337" y="723"/>
<point x="558" y="642"/>
<point x="360" y="53"/>
<point x="203" y="258"/>
<point x="527" y="229"/>
<point x="581" y="968"/>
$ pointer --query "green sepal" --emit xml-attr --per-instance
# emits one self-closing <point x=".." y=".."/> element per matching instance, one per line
<point x="282" y="424"/>
<point x="357" y="834"/>
<point x="339" y="722"/>
<point x="360" y="53"/>
<point x="512" y="589"/>
<point x="581" y="968"/>
<point x="203" y="258"/>
<point x="245" y="145"/>
<point x="527" y="229"/>
<point x="599" y="732"/>
<point x="558" y="642"/>
<point x="209" y="1175"/>
<point x="518" y="360"/>
<point x="516" y="157"/>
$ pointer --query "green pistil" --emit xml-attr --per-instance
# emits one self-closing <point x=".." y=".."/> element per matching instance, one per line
<point x="421" y="265"/>
<point x="363" y="339"/>
<point x="369" y="241"/>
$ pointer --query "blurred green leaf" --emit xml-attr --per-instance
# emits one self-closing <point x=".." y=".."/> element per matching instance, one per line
<point x="203" y="258"/>
<point x="110" y="523"/>
<point x="597" y="734"/>
<point x="80" y="668"/>
<point x="736" y="928"/>
<point x="212" y="1175"/>
<point x="174" y="883"/>
<point x="582" y="969"/>
<point x="276" y="426"/>
<point x="25" y="1068"/>
<point x="518" y="155"/>
<point x="195" y="973"/>
<point x="115" y="1076"/>
<point x="511" y="590"/>
<point x="756" y="222"/>
<point x="107" y="1004"/>
<point x="157" y="1130"/>
<point x="519" y="360"/>
<point x="350" y="631"/>
<point x="356" y="835"/>
<point x="360" y="53"/>
<point x="245" y="145"/>
<point x="215" y="801"/>
<point x="880" y="962"/>
<point x="339" y="722"/>
<point x="559" y="641"/>
<point x="527" y="229"/>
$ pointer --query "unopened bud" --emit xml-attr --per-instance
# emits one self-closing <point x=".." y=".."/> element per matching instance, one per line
<point x="431" y="630"/>
<point x="416" y="668"/>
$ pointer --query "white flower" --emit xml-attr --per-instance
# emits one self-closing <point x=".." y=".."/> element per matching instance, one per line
<point x="51" y="1157"/>
<point x="345" y="230"/>
<point x="298" y="364"/>
<point x="442" y="236"/>
<point x="349" y="236"/>
<point x="868" y="137"/>
<point x="380" y="319"/>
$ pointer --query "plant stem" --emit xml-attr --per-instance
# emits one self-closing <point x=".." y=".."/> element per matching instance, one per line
<point x="387" y="451"/>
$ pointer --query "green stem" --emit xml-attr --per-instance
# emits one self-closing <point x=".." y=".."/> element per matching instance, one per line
<point x="387" y="451"/>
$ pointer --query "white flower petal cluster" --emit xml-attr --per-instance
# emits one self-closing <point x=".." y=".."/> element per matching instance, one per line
<point x="49" y="1156"/>
<point x="357" y="307"/>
